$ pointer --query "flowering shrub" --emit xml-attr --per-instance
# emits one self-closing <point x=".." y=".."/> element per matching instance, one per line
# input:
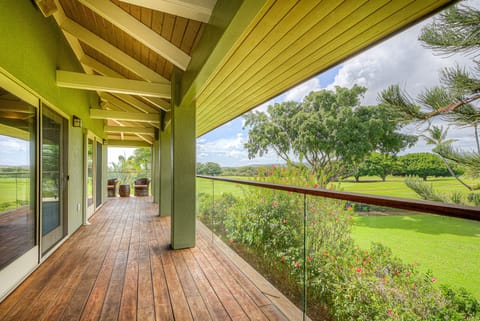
<point x="344" y="282"/>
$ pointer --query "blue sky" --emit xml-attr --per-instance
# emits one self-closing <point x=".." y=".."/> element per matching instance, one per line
<point x="400" y="59"/>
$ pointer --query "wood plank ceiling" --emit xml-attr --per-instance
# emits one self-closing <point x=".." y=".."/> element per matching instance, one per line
<point x="105" y="48"/>
<point x="291" y="41"/>
<point x="288" y="41"/>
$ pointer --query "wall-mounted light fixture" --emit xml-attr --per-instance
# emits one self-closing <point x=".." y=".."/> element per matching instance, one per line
<point x="77" y="122"/>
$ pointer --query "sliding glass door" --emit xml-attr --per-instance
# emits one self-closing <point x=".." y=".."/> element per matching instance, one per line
<point x="54" y="178"/>
<point x="18" y="177"/>
<point x="94" y="163"/>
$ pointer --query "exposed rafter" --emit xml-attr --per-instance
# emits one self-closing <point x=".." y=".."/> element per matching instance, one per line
<point x="129" y="130"/>
<point x="122" y="115"/>
<point x="128" y="143"/>
<point x="106" y="71"/>
<point x="122" y="100"/>
<point x="109" y="84"/>
<point x="111" y="51"/>
<point x="139" y="31"/>
<point x="199" y="10"/>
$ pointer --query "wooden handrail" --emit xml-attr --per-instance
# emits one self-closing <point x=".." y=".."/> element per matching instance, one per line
<point x="461" y="211"/>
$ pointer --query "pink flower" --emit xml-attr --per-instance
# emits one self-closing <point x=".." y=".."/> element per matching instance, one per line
<point x="358" y="270"/>
<point x="275" y="204"/>
<point x="384" y="280"/>
<point x="231" y="241"/>
<point x="316" y="185"/>
<point x="284" y="221"/>
<point x="390" y="312"/>
<point x="282" y="259"/>
<point x="297" y="264"/>
<point x="434" y="280"/>
<point x="309" y="259"/>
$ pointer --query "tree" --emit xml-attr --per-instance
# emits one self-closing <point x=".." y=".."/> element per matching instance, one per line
<point x="456" y="30"/>
<point x="327" y="131"/>
<point x="209" y="168"/>
<point x="377" y="164"/>
<point x="423" y="165"/>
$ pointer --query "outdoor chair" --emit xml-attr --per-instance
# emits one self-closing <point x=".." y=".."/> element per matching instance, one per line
<point x="141" y="186"/>
<point x="112" y="187"/>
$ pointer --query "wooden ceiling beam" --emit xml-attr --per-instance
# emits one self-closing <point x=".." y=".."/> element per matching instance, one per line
<point x="129" y="130"/>
<point x="106" y="71"/>
<point x="104" y="47"/>
<point x="128" y="143"/>
<point x="122" y="100"/>
<point x="77" y="80"/>
<point x="199" y="10"/>
<point x="122" y="115"/>
<point x="124" y="21"/>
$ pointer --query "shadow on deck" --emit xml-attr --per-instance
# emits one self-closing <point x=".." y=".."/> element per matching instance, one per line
<point x="122" y="268"/>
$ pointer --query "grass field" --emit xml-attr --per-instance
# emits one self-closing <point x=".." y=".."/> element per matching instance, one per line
<point x="449" y="247"/>
<point x="395" y="186"/>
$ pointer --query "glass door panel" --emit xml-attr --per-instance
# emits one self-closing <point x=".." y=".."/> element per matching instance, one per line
<point x="98" y="176"/>
<point x="17" y="178"/>
<point x="53" y="177"/>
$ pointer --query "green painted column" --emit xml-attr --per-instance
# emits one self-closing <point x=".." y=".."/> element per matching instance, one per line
<point x="156" y="168"/>
<point x="166" y="171"/>
<point x="183" y="161"/>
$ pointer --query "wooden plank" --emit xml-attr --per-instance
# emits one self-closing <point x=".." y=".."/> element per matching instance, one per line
<point x="121" y="115"/>
<point x="163" y="309"/>
<point x="76" y="80"/>
<point x="177" y="296"/>
<point x="199" y="10"/>
<point x="111" y="51"/>
<point x="214" y="306"/>
<point x="139" y="31"/>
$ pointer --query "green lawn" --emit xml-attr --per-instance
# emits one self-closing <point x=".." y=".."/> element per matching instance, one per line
<point x="395" y="186"/>
<point x="449" y="247"/>
<point x="12" y="190"/>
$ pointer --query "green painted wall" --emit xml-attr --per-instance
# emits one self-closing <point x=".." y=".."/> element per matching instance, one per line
<point x="32" y="48"/>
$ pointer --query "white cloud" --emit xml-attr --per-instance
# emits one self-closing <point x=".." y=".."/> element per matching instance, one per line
<point x="297" y="93"/>
<point x="401" y="60"/>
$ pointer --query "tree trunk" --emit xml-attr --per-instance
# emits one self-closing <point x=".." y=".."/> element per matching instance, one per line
<point x="476" y="137"/>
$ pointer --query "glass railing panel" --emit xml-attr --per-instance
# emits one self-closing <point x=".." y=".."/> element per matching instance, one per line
<point x="265" y="228"/>
<point x="368" y="262"/>
<point x="205" y="203"/>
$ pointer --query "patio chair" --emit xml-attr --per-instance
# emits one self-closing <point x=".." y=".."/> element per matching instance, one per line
<point x="112" y="187"/>
<point x="141" y="186"/>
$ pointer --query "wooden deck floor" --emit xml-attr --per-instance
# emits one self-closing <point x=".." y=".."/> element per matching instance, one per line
<point x="121" y="268"/>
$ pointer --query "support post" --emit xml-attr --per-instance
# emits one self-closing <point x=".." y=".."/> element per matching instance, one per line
<point x="183" y="161"/>
<point x="156" y="167"/>
<point x="166" y="171"/>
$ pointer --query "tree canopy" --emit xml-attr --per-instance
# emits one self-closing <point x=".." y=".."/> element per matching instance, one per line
<point x="455" y="100"/>
<point x="327" y="131"/>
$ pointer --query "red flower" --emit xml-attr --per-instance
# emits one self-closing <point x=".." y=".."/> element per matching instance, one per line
<point x="297" y="264"/>
<point x="316" y="185"/>
<point x="390" y="312"/>
<point x="284" y="221"/>
<point x="275" y="204"/>
<point x="434" y="280"/>
<point x="309" y="259"/>
<point x="358" y="269"/>
<point x="282" y="259"/>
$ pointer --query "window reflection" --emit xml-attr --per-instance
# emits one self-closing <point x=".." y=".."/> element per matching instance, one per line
<point x="17" y="177"/>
